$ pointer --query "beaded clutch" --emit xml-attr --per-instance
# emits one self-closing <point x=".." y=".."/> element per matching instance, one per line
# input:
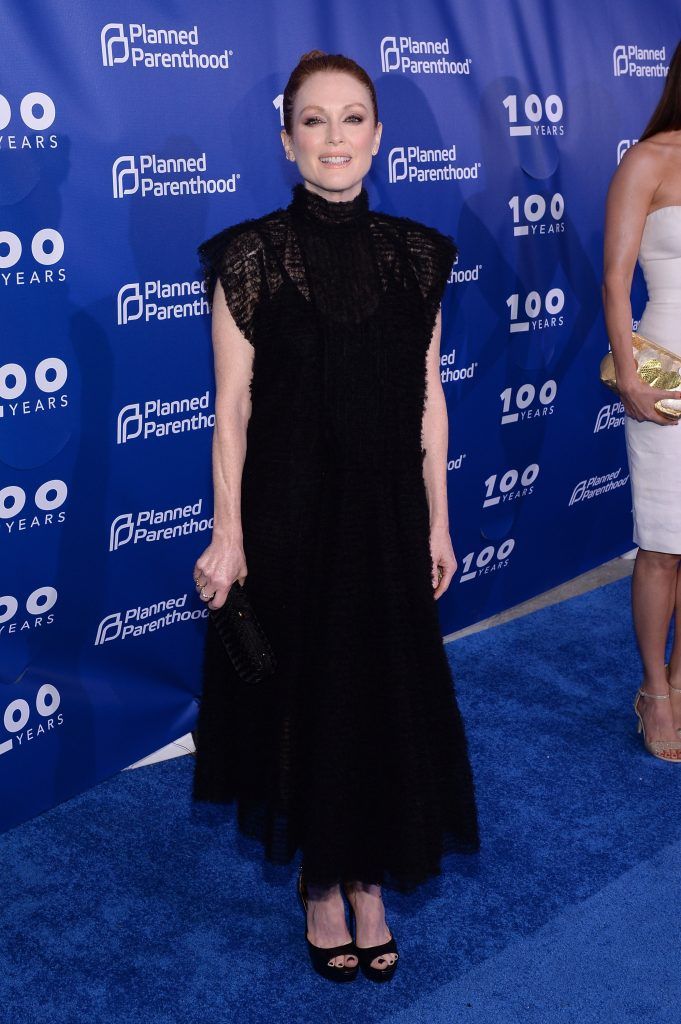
<point x="657" y="366"/>
<point x="242" y="636"/>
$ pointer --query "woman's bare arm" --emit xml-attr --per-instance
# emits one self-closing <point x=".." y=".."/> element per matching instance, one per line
<point x="233" y="360"/>
<point x="435" y="433"/>
<point x="223" y="561"/>
<point x="631" y="193"/>
<point x="435" y="437"/>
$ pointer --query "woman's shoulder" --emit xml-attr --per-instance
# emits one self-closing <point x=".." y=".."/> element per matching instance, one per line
<point x="246" y="237"/>
<point x="418" y="237"/>
<point x="645" y="157"/>
<point x="237" y="256"/>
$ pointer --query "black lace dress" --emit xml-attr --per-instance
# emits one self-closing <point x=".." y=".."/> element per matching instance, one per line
<point x="353" y="752"/>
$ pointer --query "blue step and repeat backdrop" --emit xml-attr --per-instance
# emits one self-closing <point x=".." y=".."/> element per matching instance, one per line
<point x="131" y="131"/>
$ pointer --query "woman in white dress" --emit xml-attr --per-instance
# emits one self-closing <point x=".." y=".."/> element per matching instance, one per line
<point x="643" y="221"/>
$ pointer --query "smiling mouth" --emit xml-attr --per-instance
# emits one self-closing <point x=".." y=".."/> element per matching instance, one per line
<point x="335" y="161"/>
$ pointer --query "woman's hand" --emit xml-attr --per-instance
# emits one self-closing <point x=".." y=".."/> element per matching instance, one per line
<point x="442" y="556"/>
<point x="638" y="399"/>
<point x="217" y="568"/>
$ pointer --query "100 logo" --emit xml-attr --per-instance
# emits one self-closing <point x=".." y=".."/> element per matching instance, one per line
<point x="551" y="305"/>
<point x="27" y="111"/>
<point x="536" y="110"/>
<point x="507" y="484"/>
<point x="519" y="403"/>
<point x="529" y="216"/>
<point x="18" y="713"/>
<point x="488" y="560"/>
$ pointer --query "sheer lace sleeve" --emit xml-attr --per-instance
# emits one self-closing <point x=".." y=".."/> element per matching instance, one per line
<point x="235" y="257"/>
<point x="432" y="255"/>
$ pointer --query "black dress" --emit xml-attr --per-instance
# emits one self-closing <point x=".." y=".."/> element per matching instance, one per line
<point x="354" y="751"/>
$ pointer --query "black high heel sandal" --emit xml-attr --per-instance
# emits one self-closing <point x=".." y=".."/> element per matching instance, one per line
<point x="368" y="953"/>
<point x="321" y="956"/>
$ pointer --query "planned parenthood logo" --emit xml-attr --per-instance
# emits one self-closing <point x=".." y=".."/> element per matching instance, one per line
<point x="154" y="176"/>
<point x="415" y="164"/>
<point x="153" y="524"/>
<point x="596" y="486"/>
<point x="610" y="417"/>
<point x="160" y="301"/>
<point x="632" y="61"/>
<point x="156" y="418"/>
<point x="450" y="371"/>
<point x="402" y="53"/>
<point x="462" y="275"/>
<point x="153" y="48"/>
<point x="145" y="619"/>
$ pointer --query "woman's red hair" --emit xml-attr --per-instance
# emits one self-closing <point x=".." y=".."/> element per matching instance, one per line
<point x="317" y="60"/>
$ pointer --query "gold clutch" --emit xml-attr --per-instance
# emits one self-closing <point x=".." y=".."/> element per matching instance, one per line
<point x="657" y="366"/>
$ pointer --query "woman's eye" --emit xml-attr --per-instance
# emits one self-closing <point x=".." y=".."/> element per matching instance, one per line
<point x="351" y="117"/>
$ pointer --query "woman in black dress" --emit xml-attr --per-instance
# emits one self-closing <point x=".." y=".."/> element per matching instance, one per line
<point x="329" y="474"/>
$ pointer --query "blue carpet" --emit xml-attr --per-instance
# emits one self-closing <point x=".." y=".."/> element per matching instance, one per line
<point x="128" y="904"/>
<point x="612" y="957"/>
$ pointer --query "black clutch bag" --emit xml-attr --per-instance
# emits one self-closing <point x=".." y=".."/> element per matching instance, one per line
<point x="243" y="637"/>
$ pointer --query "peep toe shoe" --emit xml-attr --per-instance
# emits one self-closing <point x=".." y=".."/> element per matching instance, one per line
<point x="367" y="954"/>
<point x="321" y="956"/>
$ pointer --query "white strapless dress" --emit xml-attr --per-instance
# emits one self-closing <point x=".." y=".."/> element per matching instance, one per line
<point x="654" y="451"/>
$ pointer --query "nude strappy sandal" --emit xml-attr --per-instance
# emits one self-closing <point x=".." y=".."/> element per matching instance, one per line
<point x="666" y="750"/>
<point x="677" y="689"/>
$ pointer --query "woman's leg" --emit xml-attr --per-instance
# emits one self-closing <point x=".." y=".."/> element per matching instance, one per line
<point x="675" y="659"/>
<point x="326" y="924"/>
<point x="367" y="904"/>
<point x="653" y="596"/>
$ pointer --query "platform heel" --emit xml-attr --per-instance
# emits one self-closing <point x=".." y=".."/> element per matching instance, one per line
<point x="321" y="956"/>
<point x="367" y="954"/>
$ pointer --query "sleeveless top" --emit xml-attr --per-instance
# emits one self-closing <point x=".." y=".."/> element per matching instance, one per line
<point x="339" y="303"/>
<point x="342" y="300"/>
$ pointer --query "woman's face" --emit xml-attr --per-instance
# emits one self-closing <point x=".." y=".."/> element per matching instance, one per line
<point x="332" y="117"/>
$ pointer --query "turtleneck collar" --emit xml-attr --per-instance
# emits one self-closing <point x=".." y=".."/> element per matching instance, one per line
<point x="314" y="207"/>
